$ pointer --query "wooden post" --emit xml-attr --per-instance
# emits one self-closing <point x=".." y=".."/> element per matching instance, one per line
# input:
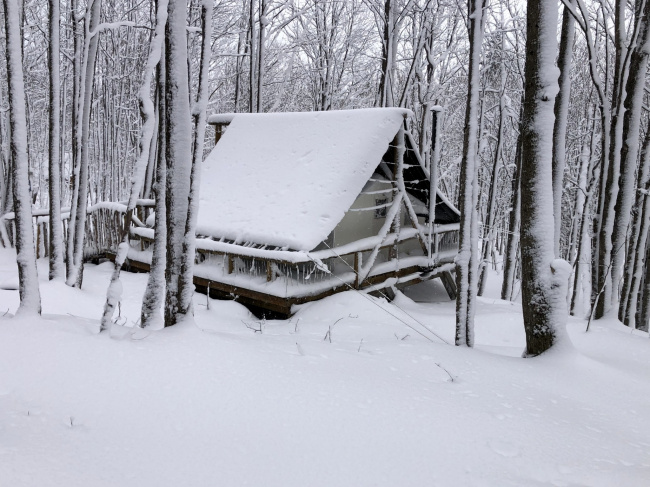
<point x="269" y="271"/>
<point x="38" y="240"/>
<point x="218" y="132"/>
<point x="449" y="283"/>
<point x="231" y="265"/>
<point x="358" y="262"/>
<point x="46" y="241"/>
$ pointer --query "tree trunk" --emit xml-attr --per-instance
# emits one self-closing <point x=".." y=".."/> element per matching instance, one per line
<point x="186" y="288"/>
<point x="75" y="269"/>
<point x="57" y="269"/>
<point x="544" y="278"/>
<point x="261" y="54"/>
<point x="561" y="119"/>
<point x="178" y="126"/>
<point x="638" y="237"/>
<point x="608" y="273"/>
<point x="489" y="232"/>
<point x="78" y="34"/>
<point x="114" y="292"/>
<point x="584" y="239"/>
<point x="153" y="295"/>
<point x="385" y="82"/>
<point x="629" y="152"/>
<point x="512" y="247"/>
<point x="466" y="277"/>
<point x="252" y="105"/>
<point x="30" y="298"/>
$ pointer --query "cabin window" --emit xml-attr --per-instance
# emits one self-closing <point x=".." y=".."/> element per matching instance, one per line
<point x="380" y="207"/>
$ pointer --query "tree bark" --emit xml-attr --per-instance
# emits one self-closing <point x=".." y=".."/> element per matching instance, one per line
<point x="512" y="246"/>
<point x="57" y="269"/>
<point x="113" y="294"/>
<point x="466" y="276"/>
<point x="544" y="278"/>
<point x="178" y="123"/>
<point x="30" y="298"/>
<point x="561" y="120"/>
<point x="152" y="300"/>
<point x="186" y="287"/>
<point x="78" y="233"/>
<point x="629" y="153"/>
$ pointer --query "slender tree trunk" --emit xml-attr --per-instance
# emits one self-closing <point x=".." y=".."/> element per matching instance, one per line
<point x="186" y="287"/>
<point x="114" y="292"/>
<point x="57" y="269"/>
<point x="630" y="152"/>
<point x="466" y="277"/>
<point x="561" y="119"/>
<point x="155" y="290"/>
<point x="638" y="237"/>
<point x="489" y="232"/>
<point x="178" y="149"/>
<point x="78" y="34"/>
<point x="512" y="246"/>
<point x="544" y="278"/>
<point x="644" y="316"/>
<point x="252" y="105"/>
<point x="385" y="83"/>
<point x="261" y="54"/>
<point x="75" y="272"/>
<point x="30" y="298"/>
<point x="584" y="239"/>
<point x="608" y="273"/>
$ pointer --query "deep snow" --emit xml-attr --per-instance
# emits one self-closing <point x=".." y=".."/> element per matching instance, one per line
<point x="234" y="401"/>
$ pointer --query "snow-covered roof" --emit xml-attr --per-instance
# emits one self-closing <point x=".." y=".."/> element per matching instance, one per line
<point x="287" y="179"/>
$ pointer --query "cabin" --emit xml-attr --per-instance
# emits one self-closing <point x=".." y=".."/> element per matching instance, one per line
<point x="298" y="206"/>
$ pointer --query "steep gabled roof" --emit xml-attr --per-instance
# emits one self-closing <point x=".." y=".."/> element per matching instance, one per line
<point x="287" y="179"/>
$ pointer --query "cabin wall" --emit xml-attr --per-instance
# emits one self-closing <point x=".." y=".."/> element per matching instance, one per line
<point x="356" y="225"/>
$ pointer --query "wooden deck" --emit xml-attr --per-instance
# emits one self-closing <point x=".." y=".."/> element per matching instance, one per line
<point x="271" y="281"/>
<point x="261" y="303"/>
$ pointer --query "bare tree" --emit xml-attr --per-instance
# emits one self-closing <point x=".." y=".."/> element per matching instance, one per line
<point x="77" y="227"/>
<point x="57" y="269"/>
<point x="30" y="298"/>
<point x="544" y="278"/>
<point x="178" y="141"/>
<point x="561" y="118"/>
<point x="467" y="260"/>
<point x="186" y="286"/>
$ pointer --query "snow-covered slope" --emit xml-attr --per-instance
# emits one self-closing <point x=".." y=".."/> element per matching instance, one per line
<point x="287" y="179"/>
<point x="347" y="393"/>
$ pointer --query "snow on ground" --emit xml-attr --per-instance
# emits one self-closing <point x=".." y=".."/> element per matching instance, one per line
<point x="234" y="401"/>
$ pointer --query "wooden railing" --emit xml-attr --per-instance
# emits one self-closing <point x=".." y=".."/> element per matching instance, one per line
<point x="104" y="226"/>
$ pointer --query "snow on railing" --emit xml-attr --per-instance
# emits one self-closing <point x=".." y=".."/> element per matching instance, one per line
<point x="234" y="261"/>
<point x="105" y="220"/>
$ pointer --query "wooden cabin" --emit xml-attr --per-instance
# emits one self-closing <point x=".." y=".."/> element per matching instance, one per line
<point x="298" y="206"/>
